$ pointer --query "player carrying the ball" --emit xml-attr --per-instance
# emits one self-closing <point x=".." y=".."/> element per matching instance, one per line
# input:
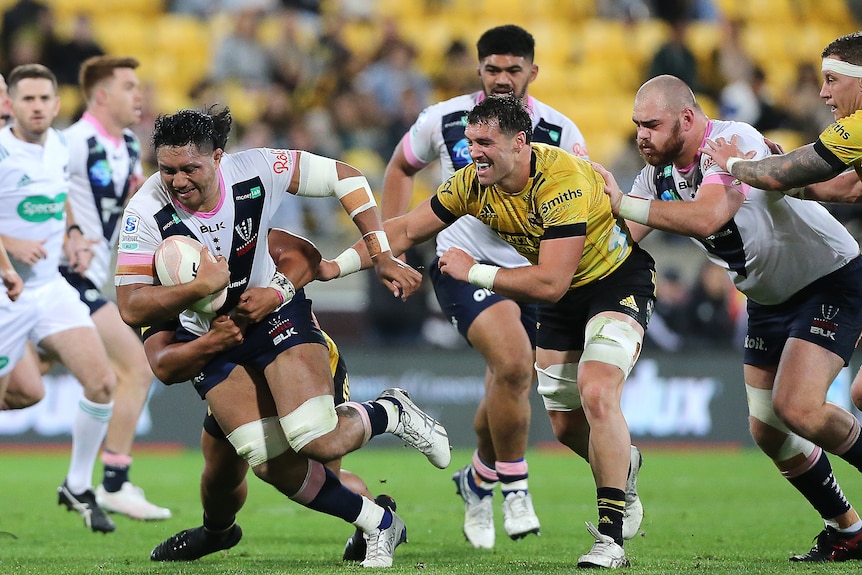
<point x="227" y="201"/>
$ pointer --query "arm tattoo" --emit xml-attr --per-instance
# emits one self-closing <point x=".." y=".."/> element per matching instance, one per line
<point x="795" y="169"/>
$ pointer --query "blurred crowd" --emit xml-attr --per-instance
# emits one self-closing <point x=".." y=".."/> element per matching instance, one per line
<point x="307" y="86"/>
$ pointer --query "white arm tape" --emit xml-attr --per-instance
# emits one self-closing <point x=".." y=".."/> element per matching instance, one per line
<point x="285" y="288"/>
<point x="355" y="195"/>
<point x="377" y="243"/>
<point x="318" y="176"/>
<point x="482" y="275"/>
<point x="635" y="209"/>
<point x="730" y="161"/>
<point x="348" y="262"/>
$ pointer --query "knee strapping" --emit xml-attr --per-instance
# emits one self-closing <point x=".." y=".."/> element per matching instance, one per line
<point x="760" y="408"/>
<point x="558" y="386"/>
<point x="612" y="341"/>
<point x="314" y="418"/>
<point x="259" y="441"/>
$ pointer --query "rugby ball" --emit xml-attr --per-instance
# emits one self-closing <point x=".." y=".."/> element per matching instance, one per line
<point x="177" y="260"/>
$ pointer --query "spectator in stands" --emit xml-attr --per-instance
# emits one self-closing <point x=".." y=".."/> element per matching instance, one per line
<point x="23" y="19"/>
<point x="457" y="72"/>
<point x="708" y="319"/>
<point x="808" y="114"/>
<point x="391" y="79"/>
<point x="240" y="56"/>
<point x="674" y="57"/>
<point x="729" y="61"/>
<point x="668" y="322"/>
<point x="66" y="57"/>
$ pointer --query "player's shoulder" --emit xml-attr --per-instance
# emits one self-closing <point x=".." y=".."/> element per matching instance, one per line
<point x="542" y="111"/>
<point x="457" y="104"/>
<point x="846" y="130"/>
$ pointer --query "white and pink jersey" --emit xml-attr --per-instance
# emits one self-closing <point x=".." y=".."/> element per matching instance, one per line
<point x="102" y="170"/>
<point x="252" y="185"/>
<point x="438" y="133"/>
<point x="775" y="245"/>
<point x="34" y="184"/>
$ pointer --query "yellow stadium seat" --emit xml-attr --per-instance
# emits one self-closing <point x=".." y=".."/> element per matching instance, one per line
<point x="122" y="35"/>
<point x="788" y="139"/>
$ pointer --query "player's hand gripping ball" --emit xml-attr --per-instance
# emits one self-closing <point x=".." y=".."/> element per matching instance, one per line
<point x="177" y="261"/>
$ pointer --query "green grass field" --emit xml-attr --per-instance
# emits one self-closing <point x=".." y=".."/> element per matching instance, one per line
<point x="706" y="512"/>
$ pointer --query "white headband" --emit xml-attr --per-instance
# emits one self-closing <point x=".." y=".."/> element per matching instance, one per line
<point x="841" y="67"/>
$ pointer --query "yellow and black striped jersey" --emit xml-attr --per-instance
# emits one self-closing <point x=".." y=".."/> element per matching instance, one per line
<point x="564" y="197"/>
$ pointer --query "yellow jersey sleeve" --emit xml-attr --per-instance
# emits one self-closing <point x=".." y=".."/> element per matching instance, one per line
<point x="841" y="143"/>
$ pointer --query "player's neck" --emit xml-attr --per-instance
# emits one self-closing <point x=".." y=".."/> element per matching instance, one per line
<point x="690" y="153"/>
<point x="29" y="137"/>
<point x="106" y="123"/>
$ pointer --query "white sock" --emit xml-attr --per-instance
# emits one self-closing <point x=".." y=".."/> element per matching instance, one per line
<point x="88" y="432"/>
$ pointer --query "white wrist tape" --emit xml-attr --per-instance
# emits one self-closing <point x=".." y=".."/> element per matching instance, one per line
<point x="377" y="243"/>
<point x="482" y="275"/>
<point x="348" y="262"/>
<point x="730" y="161"/>
<point x="285" y="288"/>
<point x="635" y="209"/>
<point x="355" y="195"/>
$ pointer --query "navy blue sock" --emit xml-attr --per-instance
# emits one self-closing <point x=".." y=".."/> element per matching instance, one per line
<point x="114" y="476"/>
<point x="378" y="417"/>
<point x="819" y="487"/>
<point x="336" y="500"/>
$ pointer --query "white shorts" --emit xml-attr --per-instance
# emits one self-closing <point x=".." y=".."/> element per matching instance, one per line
<point x="38" y="313"/>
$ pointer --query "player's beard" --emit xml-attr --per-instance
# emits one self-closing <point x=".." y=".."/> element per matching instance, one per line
<point x="670" y="151"/>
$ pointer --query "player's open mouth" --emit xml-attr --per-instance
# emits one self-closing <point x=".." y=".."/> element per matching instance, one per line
<point x="482" y="167"/>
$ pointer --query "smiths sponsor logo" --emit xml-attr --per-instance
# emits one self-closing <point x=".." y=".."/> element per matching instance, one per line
<point x="567" y="196"/>
<point x="282" y="161"/>
<point x="825" y="326"/>
<point x="280" y="330"/>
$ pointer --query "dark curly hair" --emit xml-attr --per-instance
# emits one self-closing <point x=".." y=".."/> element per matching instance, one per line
<point x="508" y="112"/>
<point x="207" y="130"/>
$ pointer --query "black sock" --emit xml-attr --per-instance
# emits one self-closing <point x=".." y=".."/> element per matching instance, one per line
<point x="612" y="506"/>
<point x="114" y="476"/>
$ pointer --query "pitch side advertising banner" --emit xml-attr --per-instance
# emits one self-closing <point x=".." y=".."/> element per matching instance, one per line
<point x="668" y="398"/>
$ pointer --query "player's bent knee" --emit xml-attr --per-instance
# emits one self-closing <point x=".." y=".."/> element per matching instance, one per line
<point x="558" y="386"/>
<point x="311" y="420"/>
<point x="259" y="441"/>
<point x="760" y="407"/>
<point x="612" y="341"/>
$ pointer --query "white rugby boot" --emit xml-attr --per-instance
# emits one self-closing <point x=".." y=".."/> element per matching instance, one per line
<point x="634" y="513"/>
<point x="605" y="552"/>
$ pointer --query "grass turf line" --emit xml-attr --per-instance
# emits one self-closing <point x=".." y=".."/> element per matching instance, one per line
<point x="706" y="512"/>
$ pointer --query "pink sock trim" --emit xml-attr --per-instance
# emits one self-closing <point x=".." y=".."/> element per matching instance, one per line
<point x="805" y="465"/>
<point x="363" y="417"/>
<point x="312" y="485"/>
<point x="116" y="459"/>
<point x="483" y="470"/>
<point x="512" y="468"/>
<point x="852" y="438"/>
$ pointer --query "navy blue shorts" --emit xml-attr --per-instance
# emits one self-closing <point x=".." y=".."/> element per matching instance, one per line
<point x="463" y="302"/>
<point x="290" y="326"/>
<point x="630" y="289"/>
<point x="87" y="290"/>
<point x="342" y="395"/>
<point x="827" y="312"/>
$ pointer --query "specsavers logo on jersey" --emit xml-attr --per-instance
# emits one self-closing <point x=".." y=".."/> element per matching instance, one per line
<point x="38" y="209"/>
